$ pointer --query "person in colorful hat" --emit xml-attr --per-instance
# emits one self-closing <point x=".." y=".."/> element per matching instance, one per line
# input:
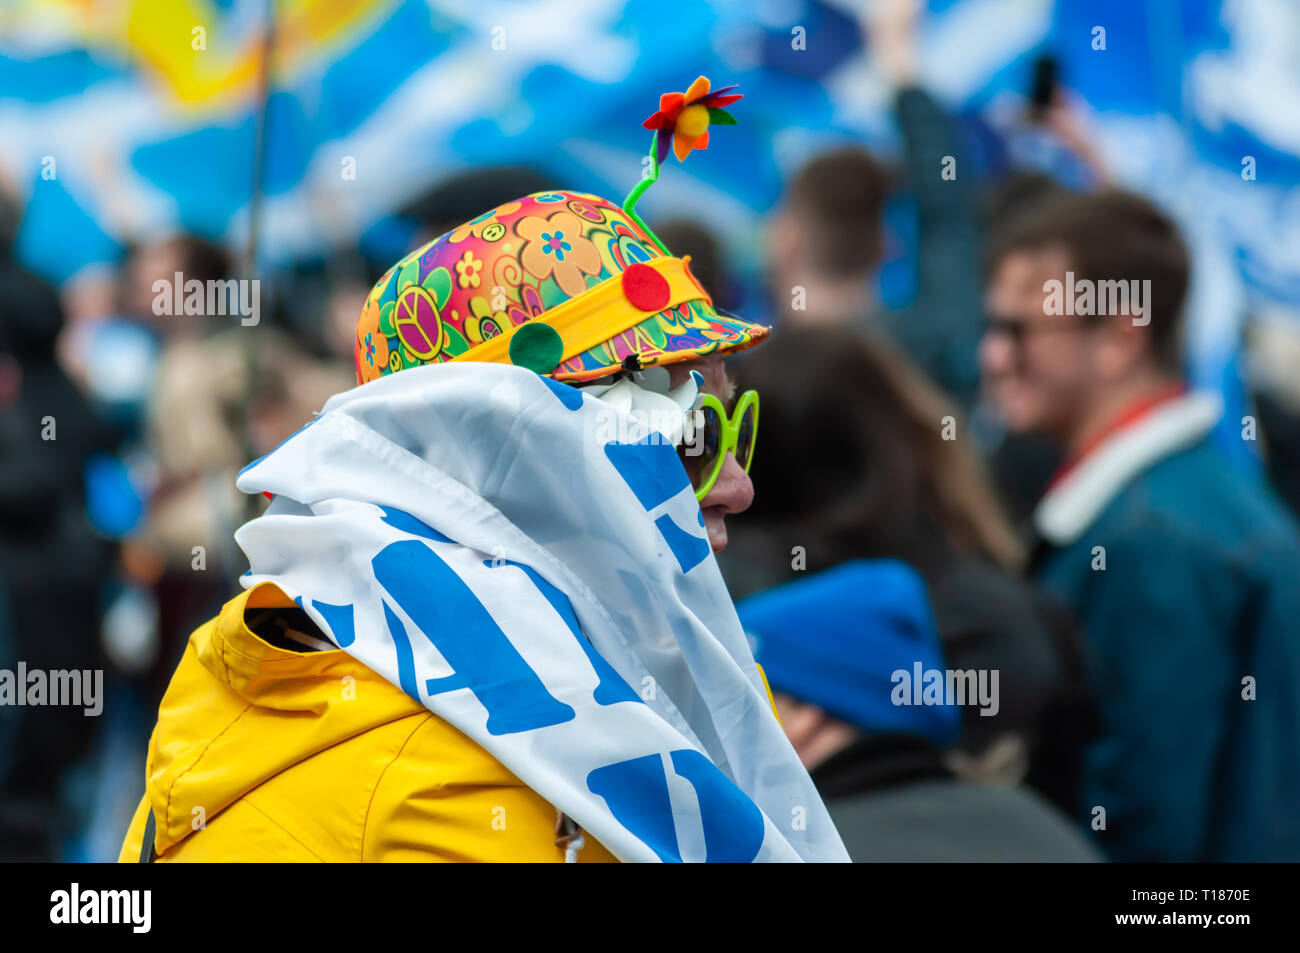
<point x="483" y="620"/>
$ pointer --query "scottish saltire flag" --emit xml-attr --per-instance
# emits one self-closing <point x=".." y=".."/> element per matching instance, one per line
<point x="523" y="561"/>
<point x="148" y="110"/>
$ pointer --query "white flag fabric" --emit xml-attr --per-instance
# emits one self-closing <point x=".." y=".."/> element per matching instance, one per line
<point x="506" y="550"/>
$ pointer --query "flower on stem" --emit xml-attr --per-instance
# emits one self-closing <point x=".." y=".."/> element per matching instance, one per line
<point x="684" y="118"/>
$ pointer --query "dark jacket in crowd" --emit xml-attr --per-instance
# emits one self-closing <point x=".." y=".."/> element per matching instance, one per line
<point x="986" y="619"/>
<point x="52" y="566"/>
<point x="1185" y="574"/>
<point x="893" y="799"/>
<point x="847" y="640"/>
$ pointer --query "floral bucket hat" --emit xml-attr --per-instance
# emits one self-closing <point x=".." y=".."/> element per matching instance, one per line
<point x="565" y="283"/>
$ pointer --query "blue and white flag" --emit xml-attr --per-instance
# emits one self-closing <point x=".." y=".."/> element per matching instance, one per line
<point x="507" y="551"/>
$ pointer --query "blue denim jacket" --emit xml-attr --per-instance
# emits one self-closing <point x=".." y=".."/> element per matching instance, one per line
<point x="1185" y="574"/>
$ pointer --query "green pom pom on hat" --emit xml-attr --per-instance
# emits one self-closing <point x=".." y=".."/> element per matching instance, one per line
<point x="537" y="347"/>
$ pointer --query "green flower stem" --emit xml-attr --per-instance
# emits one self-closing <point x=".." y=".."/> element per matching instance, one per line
<point x="634" y="196"/>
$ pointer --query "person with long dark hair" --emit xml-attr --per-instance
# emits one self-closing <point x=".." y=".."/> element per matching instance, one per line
<point x="873" y="464"/>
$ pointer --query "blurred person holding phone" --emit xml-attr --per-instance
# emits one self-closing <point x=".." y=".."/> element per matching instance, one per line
<point x="825" y="241"/>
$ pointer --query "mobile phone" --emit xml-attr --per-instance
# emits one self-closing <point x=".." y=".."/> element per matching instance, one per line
<point x="1046" y="79"/>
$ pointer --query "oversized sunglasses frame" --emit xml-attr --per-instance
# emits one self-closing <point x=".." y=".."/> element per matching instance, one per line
<point x="729" y="439"/>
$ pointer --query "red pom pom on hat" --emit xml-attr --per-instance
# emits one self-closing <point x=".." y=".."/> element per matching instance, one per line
<point x="645" y="288"/>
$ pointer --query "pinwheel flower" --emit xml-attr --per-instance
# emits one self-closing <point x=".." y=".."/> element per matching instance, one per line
<point x="685" y="118"/>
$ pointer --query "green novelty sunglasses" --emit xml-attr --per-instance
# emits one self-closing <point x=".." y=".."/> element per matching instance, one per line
<point x="718" y="434"/>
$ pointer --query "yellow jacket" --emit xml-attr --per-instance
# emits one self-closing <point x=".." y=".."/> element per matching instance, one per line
<point x="264" y="753"/>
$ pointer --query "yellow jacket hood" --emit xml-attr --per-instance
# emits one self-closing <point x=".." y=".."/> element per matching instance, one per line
<point x="266" y="753"/>
<point x="213" y="742"/>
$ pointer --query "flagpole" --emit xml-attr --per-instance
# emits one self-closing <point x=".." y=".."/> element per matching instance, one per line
<point x="249" y="265"/>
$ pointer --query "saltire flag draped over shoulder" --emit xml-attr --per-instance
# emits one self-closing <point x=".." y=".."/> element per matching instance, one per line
<point x="523" y="561"/>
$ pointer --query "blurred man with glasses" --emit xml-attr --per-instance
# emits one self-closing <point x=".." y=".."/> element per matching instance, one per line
<point x="1181" y="570"/>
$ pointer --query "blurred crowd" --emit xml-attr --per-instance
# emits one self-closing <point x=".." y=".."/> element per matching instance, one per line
<point x="971" y="483"/>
